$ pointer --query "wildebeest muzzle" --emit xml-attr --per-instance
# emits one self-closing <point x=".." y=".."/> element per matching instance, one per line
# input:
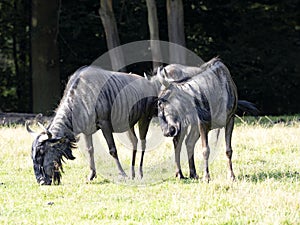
<point x="40" y="175"/>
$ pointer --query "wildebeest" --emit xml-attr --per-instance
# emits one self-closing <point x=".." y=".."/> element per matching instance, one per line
<point x="206" y="101"/>
<point x="94" y="99"/>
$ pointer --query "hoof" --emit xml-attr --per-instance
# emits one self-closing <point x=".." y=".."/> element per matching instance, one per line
<point x="141" y="173"/>
<point x="122" y="177"/>
<point x="123" y="174"/>
<point x="132" y="173"/>
<point x="113" y="153"/>
<point x="206" y="178"/>
<point x="180" y="176"/>
<point x="231" y="177"/>
<point x="92" y="175"/>
<point x="194" y="176"/>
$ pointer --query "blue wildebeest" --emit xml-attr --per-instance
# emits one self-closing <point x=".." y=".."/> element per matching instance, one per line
<point x="94" y="99"/>
<point x="205" y="101"/>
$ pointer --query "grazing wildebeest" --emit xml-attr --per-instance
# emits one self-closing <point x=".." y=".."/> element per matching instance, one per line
<point x="205" y="101"/>
<point x="94" y="99"/>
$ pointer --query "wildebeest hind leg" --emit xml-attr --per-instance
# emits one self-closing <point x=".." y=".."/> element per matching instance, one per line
<point x="134" y="141"/>
<point x="107" y="133"/>
<point x="88" y="141"/>
<point x="228" y="135"/>
<point x="204" y="141"/>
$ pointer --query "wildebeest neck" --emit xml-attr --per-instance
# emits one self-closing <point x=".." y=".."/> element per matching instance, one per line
<point x="61" y="126"/>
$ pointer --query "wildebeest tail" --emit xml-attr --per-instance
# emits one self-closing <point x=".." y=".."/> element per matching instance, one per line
<point x="246" y="107"/>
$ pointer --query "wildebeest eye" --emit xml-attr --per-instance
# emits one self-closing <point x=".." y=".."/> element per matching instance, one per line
<point x="160" y="104"/>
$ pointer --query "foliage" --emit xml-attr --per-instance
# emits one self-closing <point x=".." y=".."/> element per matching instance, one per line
<point x="15" y="76"/>
<point x="265" y="161"/>
<point x="81" y="37"/>
<point x="259" y="41"/>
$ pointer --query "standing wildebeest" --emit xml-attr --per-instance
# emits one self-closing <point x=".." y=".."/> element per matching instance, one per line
<point x="179" y="73"/>
<point x="206" y="101"/>
<point x="94" y="99"/>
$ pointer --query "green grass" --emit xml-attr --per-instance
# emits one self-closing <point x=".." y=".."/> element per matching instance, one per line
<point x="266" y="162"/>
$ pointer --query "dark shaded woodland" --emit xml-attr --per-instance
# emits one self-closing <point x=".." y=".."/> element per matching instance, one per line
<point x="259" y="41"/>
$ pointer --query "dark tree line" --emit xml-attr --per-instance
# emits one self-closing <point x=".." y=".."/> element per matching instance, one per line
<point x="15" y="72"/>
<point x="259" y="41"/>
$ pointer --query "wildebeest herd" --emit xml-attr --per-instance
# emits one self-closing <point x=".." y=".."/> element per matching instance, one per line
<point x="202" y="98"/>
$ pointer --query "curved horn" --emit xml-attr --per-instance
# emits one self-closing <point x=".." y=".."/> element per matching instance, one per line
<point x="45" y="130"/>
<point x="145" y="75"/>
<point x="33" y="134"/>
<point x="162" y="79"/>
<point x="38" y="116"/>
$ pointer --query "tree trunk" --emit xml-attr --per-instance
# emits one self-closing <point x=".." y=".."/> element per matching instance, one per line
<point x="44" y="55"/>
<point x="176" y="30"/>
<point x="112" y="36"/>
<point x="154" y="33"/>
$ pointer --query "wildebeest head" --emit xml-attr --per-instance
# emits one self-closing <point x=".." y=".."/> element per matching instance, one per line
<point x="47" y="155"/>
<point x="168" y="117"/>
<point x="173" y="108"/>
<point x="178" y="108"/>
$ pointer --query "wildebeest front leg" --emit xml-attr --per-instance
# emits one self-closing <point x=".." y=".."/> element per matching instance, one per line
<point x="143" y="129"/>
<point x="177" y="141"/>
<point x="133" y="139"/>
<point x="88" y="141"/>
<point x="204" y="141"/>
<point x="190" y="142"/>
<point x="107" y="133"/>
<point x="228" y="135"/>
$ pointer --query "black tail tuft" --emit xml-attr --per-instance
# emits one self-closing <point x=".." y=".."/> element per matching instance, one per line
<point x="245" y="107"/>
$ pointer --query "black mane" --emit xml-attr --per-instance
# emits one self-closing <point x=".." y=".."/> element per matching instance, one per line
<point x="183" y="80"/>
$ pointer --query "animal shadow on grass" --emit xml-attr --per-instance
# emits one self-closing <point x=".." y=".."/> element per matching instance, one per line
<point x="99" y="182"/>
<point x="266" y="175"/>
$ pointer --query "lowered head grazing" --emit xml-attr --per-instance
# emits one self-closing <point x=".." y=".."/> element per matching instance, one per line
<point x="47" y="154"/>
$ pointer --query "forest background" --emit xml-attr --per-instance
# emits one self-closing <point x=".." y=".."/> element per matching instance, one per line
<point x="43" y="42"/>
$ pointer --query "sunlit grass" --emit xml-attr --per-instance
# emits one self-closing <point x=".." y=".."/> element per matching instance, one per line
<point x="267" y="191"/>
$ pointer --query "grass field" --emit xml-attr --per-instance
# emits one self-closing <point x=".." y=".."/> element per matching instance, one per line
<point x="266" y="162"/>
